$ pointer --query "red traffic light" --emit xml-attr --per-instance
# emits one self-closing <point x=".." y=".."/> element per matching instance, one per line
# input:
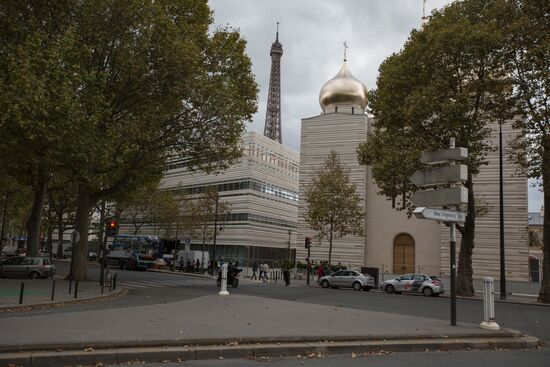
<point x="112" y="224"/>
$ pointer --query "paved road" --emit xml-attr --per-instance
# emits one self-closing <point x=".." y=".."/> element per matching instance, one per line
<point x="472" y="358"/>
<point x="148" y="288"/>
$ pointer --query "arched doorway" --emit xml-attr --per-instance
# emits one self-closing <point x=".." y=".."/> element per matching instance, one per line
<point x="403" y="254"/>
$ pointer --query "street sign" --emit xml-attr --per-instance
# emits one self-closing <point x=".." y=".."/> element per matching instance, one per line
<point x="444" y="156"/>
<point x="440" y="175"/>
<point x="439" y="215"/>
<point x="440" y="197"/>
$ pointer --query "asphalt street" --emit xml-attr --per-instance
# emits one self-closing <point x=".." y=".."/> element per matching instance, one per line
<point x="531" y="319"/>
<point x="147" y="288"/>
<point x="473" y="358"/>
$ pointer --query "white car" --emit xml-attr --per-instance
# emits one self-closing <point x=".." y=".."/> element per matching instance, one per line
<point x="348" y="278"/>
<point x="428" y="285"/>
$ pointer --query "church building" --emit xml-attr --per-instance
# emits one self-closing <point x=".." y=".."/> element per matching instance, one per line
<point x="393" y="242"/>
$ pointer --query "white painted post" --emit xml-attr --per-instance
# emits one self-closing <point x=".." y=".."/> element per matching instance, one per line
<point x="223" y="289"/>
<point x="489" y="305"/>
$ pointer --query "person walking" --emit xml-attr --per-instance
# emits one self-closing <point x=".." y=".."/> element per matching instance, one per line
<point x="197" y="266"/>
<point x="254" y="270"/>
<point x="266" y="272"/>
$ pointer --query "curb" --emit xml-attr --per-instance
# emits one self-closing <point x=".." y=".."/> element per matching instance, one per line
<point x="251" y="350"/>
<point x="23" y="308"/>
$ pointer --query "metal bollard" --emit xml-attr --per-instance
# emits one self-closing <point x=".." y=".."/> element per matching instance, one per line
<point x="102" y="286"/>
<point x="489" y="305"/>
<point x="53" y="289"/>
<point x="114" y="281"/>
<point x="70" y="285"/>
<point x="21" y="292"/>
<point x="75" y="288"/>
<point x="111" y="283"/>
<point x="223" y="288"/>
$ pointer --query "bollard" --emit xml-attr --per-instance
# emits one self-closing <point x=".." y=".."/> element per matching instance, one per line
<point x="70" y="285"/>
<point x="223" y="288"/>
<point x="75" y="288"/>
<point x="53" y="289"/>
<point x="114" y="281"/>
<point x="111" y="283"/>
<point x="489" y="305"/>
<point x="21" y="292"/>
<point x="102" y="286"/>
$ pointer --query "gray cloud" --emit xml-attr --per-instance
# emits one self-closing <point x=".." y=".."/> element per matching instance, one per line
<point x="312" y="33"/>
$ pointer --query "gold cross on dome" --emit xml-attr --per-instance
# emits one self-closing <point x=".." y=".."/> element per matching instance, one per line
<point x="345" y="50"/>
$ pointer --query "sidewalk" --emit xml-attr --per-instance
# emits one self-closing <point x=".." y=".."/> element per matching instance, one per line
<point x="37" y="293"/>
<point x="235" y="325"/>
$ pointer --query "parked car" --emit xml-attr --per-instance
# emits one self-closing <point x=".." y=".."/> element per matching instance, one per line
<point x="26" y="267"/>
<point x="349" y="279"/>
<point x="92" y="256"/>
<point x="428" y="285"/>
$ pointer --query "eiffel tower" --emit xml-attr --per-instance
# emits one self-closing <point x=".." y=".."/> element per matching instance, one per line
<point x="272" y="127"/>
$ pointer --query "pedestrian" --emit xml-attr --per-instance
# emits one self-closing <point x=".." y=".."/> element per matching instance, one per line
<point x="254" y="270"/>
<point x="181" y="264"/>
<point x="262" y="272"/>
<point x="320" y="272"/>
<point x="188" y="268"/>
<point x="197" y="266"/>
<point x="286" y="275"/>
<point x="266" y="272"/>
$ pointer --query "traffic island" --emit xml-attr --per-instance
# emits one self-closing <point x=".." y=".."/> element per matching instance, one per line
<point x="234" y="326"/>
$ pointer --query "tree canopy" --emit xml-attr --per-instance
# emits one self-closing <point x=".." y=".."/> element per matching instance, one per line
<point x="334" y="208"/>
<point x="110" y="91"/>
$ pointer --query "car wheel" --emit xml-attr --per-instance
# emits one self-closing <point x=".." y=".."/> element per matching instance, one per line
<point x="357" y="286"/>
<point x="389" y="288"/>
<point x="34" y="275"/>
<point x="324" y="284"/>
<point x="427" y="292"/>
<point x="235" y="283"/>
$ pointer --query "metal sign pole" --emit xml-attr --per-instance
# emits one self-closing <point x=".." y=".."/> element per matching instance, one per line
<point x="453" y="273"/>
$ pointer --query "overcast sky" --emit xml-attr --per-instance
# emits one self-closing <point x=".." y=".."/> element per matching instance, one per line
<point x="312" y="33"/>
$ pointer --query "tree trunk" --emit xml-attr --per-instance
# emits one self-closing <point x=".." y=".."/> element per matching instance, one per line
<point x="79" y="258"/>
<point x="465" y="283"/>
<point x="4" y="217"/>
<point x="35" y="219"/>
<point x="544" y="294"/>
<point x="50" y="241"/>
<point x="60" y="230"/>
<point x="330" y="249"/>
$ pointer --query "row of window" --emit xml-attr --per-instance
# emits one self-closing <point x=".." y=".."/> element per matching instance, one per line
<point x="243" y="185"/>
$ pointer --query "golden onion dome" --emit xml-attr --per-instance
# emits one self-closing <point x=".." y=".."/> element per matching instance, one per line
<point x="343" y="89"/>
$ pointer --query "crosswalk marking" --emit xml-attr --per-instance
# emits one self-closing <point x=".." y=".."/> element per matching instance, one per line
<point x="133" y="284"/>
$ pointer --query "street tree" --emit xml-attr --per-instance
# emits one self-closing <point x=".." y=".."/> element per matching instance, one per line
<point x="149" y="206"/>
<point x="527" y="49"/>
<point x="208" y="210"/>
<point x="138" y="83"/>
<point x="449" y="80"/>
<point x="334" y="208"/>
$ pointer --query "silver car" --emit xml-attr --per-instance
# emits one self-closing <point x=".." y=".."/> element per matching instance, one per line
<point x="26" y="267"/>
<point x="349" y="279"/>
<point x="427" y="285"/>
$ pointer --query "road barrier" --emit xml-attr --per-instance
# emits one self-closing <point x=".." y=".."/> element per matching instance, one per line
<point x="489" y="305"/>
<point x="53" y="289"/>
<point x="21" y="292"/>
<point x="223" y="288"/>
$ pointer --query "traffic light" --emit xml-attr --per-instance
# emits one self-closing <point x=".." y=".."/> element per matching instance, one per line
<point x="308" y="242"/>
<point x="111" y="227"/>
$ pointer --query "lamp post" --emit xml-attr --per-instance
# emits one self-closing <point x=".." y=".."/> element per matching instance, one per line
<point x="215" y="228"/>
<point x="501" y="199"/>
<point x="289" y="233"/>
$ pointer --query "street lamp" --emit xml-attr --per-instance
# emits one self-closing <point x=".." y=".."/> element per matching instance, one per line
<point x="501" y="199"/>
<point x="289" y="233"/>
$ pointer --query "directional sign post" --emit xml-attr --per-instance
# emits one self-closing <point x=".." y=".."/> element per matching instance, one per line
<point x="439" y="215"/>
<point x="451" y="195"/>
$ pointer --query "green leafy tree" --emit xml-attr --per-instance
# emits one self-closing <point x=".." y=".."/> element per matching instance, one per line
<point x="334" y="207"/>
<point x="123" y="87"/>
<point x="527" y="49"/>
<point x="449" y="80"/>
